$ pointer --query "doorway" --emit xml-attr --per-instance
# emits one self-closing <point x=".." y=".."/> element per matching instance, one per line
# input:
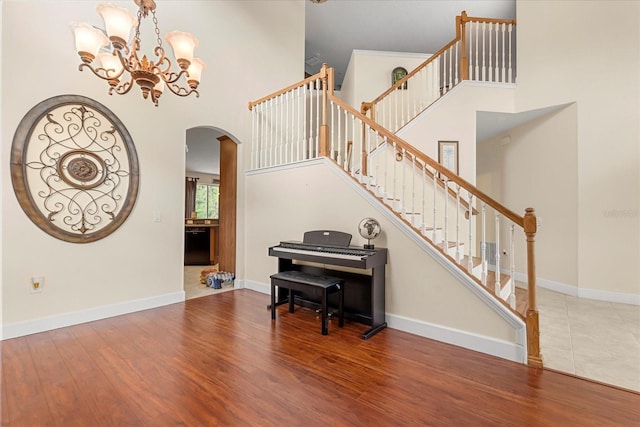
<point x="210" y="209"/>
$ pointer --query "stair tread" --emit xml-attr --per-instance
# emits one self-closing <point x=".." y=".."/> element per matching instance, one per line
<point x="476" y="260"/>
<point x="491" y="279"/>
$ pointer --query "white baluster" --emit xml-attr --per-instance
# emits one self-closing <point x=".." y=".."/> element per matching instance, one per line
<point x="444" y="72"/>
<point x="497" y="64"/>
<point x="458" y="224"/>
<point x="404" y="190"/>
<point x="497" y="284"/>
<point x="263" y="134"/>
<point x="510" y="79"/>
<point x="450" y="68"/>
<point x="271" y="117"/>
<point x="317" y="94"/>
<point x="445" y="240"/>
<point x="383" y="188"/>
<point x="483" y="246"/>
<point x="349" y="154"/>
<point x="477" y="64"/>
<point x="310" y="144"/>
<point x="512" y="268"/>
<point x="413" y="190"/>
<point x="490" y="68"/>
<point x="287" y="129"/>
<point x="484" y="68"/>
<point x="254" y="140"/>
<point x="354" y="148"/>
<point x="470" y="49"/>
<point x="502" y="78"/>
<point x="424" y="192"/>
<point x="435" y="209"/>
<point x="299" y="123"/>
<point x="334" y="153"/>
<point x="308" y="117"/>
<point x="393" y="200"/>
<point x="456" y="79"/>
<point x="377" y="175"/>
<point x="338" y="135"/>
<point x="469" y="251"/>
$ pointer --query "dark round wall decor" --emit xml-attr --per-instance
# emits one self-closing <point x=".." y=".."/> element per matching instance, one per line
<point x="74" y="168"/>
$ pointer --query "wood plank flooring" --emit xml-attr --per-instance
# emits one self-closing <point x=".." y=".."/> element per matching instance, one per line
<point x="220" y="361"/>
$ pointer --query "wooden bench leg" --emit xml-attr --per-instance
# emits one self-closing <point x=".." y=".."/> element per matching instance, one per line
<point x="325" y="316"/>
<point x="341" y="307"/>
<point x="273" y="302"/>
<point x="291" y="305"/>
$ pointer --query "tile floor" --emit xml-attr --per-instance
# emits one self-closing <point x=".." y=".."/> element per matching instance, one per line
<point x="592" y="339"/>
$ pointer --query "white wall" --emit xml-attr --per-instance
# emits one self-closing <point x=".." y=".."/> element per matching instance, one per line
<point x="250" y="47"/>
<point x="453" y="118"/>
<point x="368" y="74"/>
<point x="588" y="53"/>
<point x="535" y="165"/>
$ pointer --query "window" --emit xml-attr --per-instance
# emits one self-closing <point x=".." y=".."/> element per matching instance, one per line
<point x="207" y="196"/>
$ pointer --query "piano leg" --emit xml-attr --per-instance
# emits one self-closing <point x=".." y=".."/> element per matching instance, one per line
<point x="371" y="332"/>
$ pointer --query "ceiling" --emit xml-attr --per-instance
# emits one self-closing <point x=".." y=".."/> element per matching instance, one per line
<point x="334" y="28"/>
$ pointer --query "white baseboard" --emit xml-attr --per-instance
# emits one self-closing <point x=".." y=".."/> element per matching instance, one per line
<point x="256" y="286"/>
<point x="18" y="329"/>
<point x="574" y="291"/>
<point x="483" y="344"/>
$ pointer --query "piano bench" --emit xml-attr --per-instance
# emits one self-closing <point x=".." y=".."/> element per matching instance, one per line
<point x="310" y="283"/>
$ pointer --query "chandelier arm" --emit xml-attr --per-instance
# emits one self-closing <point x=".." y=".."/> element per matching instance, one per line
<point x="126" y="59"/>
<point x="181" y="91"/>
<point x="97" y="71"/>
<point x="173" y="77"/>
<point x="163" y="64"/>
<point x="122" y="88"/>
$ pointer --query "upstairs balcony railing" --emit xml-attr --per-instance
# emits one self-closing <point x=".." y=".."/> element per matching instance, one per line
<point x="483" y="50"/>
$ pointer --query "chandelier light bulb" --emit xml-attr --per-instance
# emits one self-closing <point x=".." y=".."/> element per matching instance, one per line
<point x="183" y="45"/>
<point x="195" y="72"/>
<point x="118" y="23"/>
<point x="89" y="40"/>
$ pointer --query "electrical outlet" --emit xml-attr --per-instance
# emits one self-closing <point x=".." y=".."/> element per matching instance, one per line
<point x="37" y="283"/>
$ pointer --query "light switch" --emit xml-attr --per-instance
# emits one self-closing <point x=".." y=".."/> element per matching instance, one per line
<point x="157" y="216"/>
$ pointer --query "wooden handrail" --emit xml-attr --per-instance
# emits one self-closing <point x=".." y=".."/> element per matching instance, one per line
<point x="466" y="18"/>
<point x="414" y="72"/>
<point x="400" y="143"/>
<point x="310" y="79"/>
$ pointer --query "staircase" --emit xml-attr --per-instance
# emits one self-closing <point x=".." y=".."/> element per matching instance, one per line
<point x="306" y="121"/>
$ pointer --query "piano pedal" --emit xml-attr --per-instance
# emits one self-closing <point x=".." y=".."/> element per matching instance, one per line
<point x="330" y="314"/>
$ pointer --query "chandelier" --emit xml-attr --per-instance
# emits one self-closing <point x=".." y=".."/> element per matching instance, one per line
<point x="115" y="60"/>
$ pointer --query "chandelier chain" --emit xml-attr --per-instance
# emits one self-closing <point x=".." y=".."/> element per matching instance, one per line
<point x="155" y="24"/>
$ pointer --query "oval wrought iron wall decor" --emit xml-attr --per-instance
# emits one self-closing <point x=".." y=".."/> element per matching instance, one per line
<point x="74" y="168"/>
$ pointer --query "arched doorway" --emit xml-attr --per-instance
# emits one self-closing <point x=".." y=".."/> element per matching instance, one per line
<point x="210" y="205"/>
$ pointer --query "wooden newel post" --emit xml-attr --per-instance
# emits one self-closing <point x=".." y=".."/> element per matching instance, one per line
<point x="461" y="22"/>
<point x="534" y="358"/>
<point x="324" y="127"/>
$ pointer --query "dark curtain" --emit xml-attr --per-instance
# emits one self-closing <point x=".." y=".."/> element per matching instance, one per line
<point x="190" y="196"/>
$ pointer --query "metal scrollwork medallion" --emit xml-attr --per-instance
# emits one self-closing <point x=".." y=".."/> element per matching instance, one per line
<point x="74" y="168"/>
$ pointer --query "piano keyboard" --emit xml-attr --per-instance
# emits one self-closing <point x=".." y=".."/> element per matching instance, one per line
<point x="329" y="252"/>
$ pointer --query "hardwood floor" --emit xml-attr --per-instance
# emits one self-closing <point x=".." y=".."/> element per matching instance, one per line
<point x="220" y="361"/>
